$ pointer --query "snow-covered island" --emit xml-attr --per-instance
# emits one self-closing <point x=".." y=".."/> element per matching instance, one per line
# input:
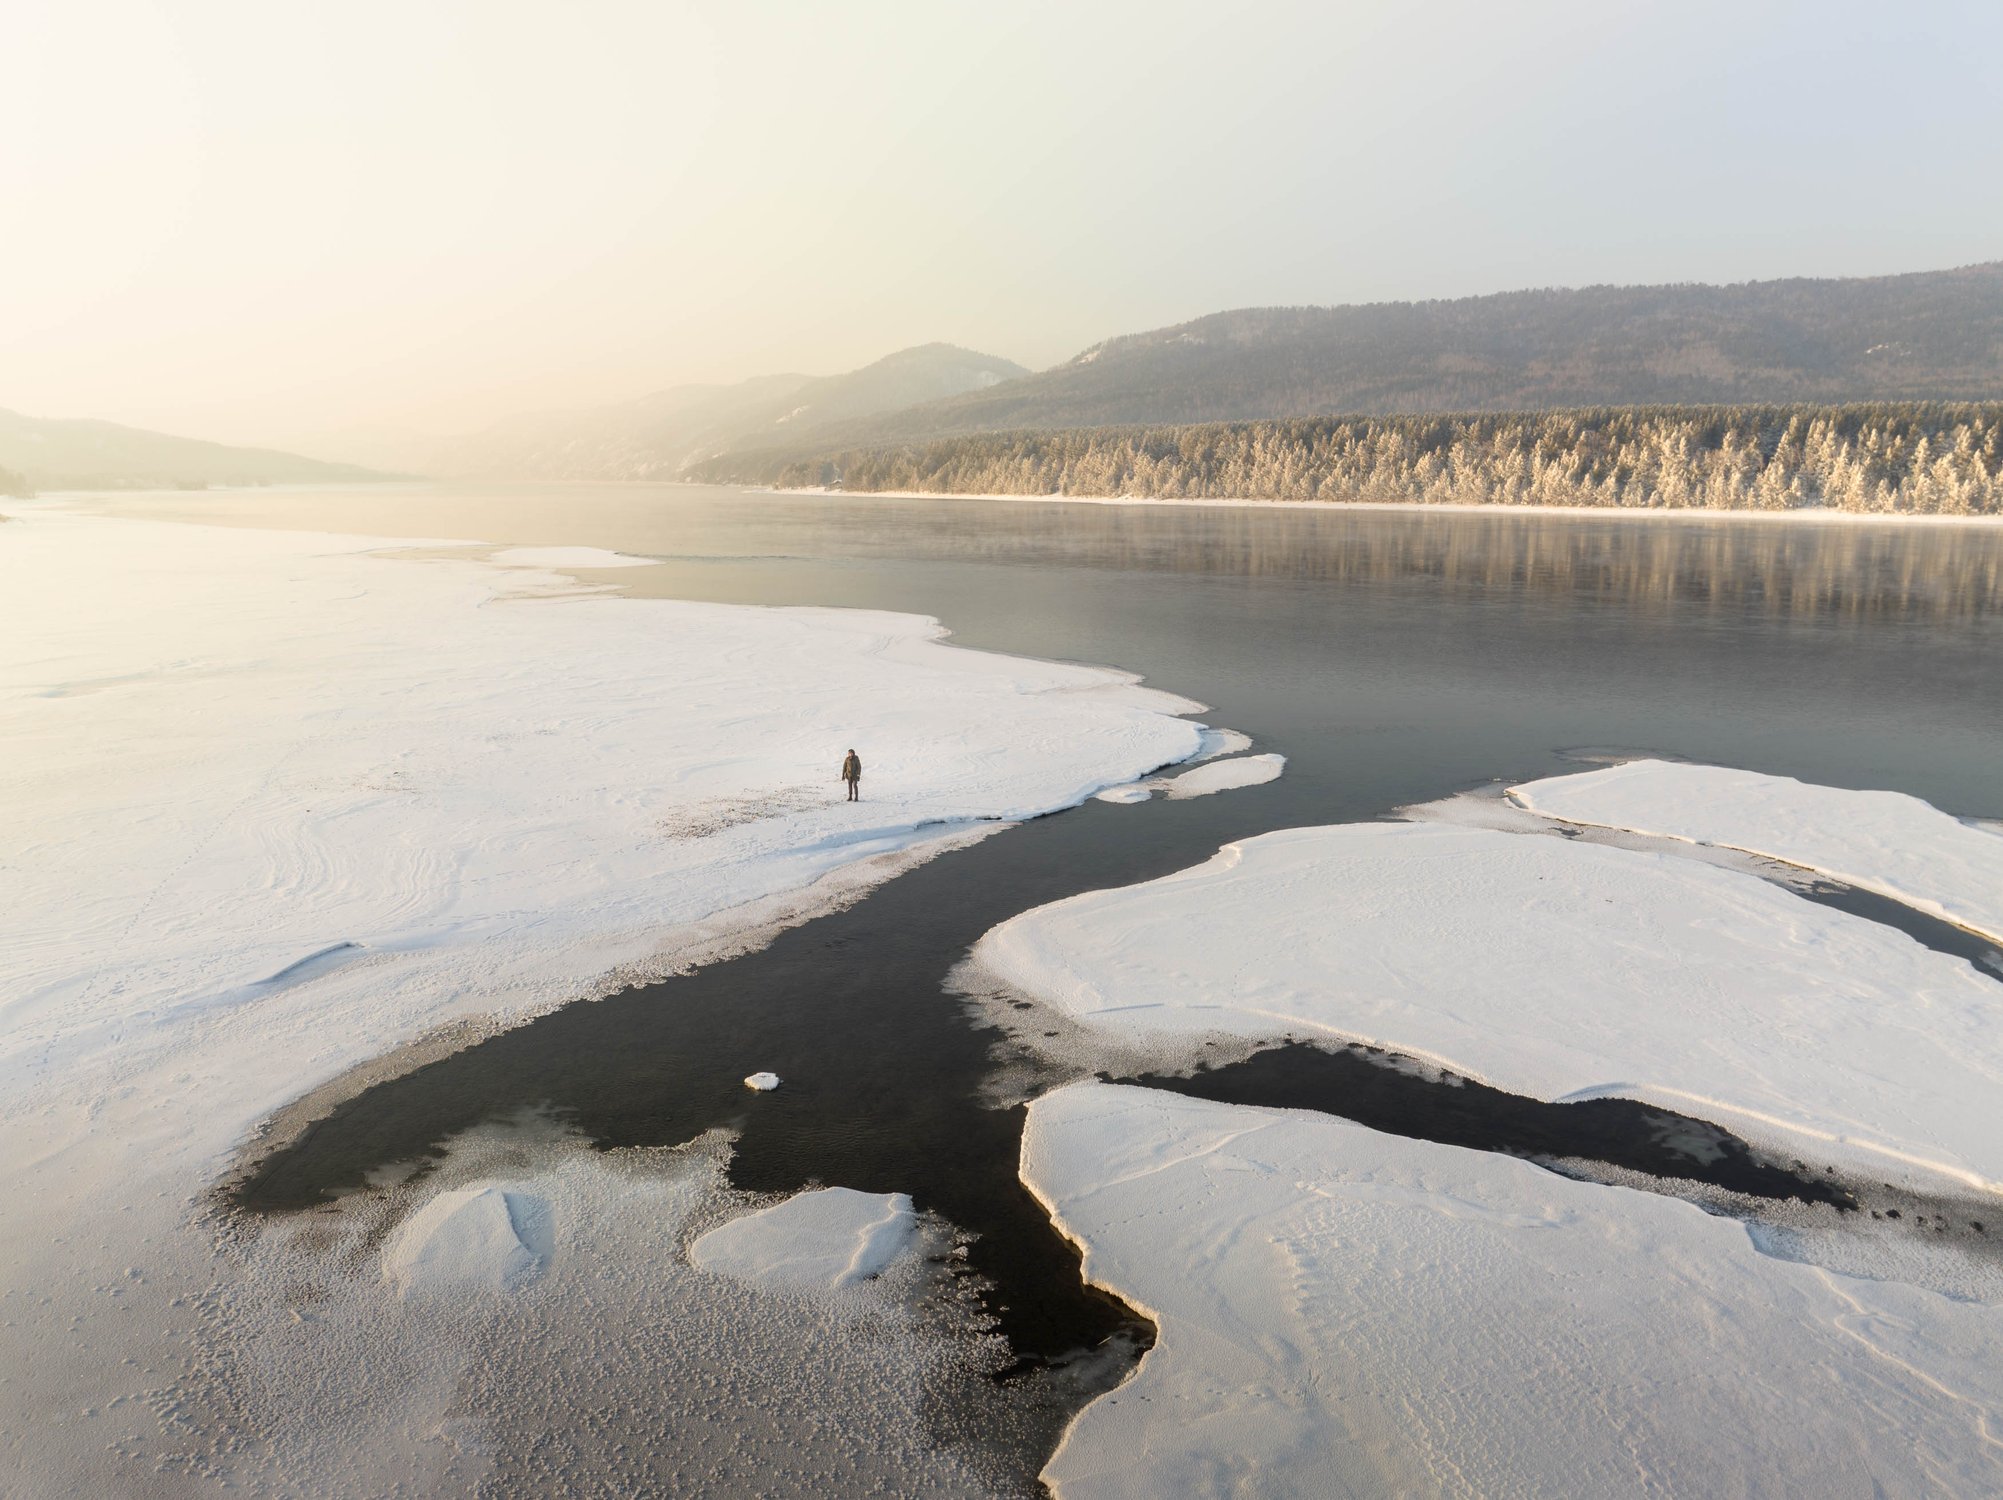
<point x="1349" y="1313"/>
<point x="1545" y="967"/>
<point x="1346" y="1312"/>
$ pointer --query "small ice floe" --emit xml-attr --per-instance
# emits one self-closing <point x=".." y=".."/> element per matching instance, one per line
<point x="1887" y="842"/>
<point x="826" y="1239"/>
<point x="475" y="1238"/>
<point x="764" y="1083"/>
<point x="1138" y="791"/>
<point x="1224" y="776"/>
<point x="567" y="557"/>
<point x="1216" y="742"/>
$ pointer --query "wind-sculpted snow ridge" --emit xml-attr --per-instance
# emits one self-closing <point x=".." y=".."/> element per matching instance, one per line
<point x="1887" y="842"/>
<point x="477" y="1236"/>
<point x="1343" y="1312"/>
<point x="1546" y="967"/>
<point x="277" y="806"/>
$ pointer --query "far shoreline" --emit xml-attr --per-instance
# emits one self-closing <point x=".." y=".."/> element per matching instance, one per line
<point x="1817" y="514"/>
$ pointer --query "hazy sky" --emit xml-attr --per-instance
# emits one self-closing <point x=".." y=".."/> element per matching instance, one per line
<point x="274" y="219"/>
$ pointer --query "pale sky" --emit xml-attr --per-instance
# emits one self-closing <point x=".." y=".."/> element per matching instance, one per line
<point x="271" y="220"/>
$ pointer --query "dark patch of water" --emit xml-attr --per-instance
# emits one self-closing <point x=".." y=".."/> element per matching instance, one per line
<point x="1931" y="932"/>
<point x="1374" y="1089"/>
<point x="883" y="1073"/>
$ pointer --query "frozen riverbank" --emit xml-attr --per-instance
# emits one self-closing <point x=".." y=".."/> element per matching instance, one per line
<point x="1349" y="1313"/>
<point x="280" y="806"/>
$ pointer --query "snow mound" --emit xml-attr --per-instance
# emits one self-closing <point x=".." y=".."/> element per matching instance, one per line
<point x="1348" y="1313"/>
<point x="764" y="1083"/>
<point x="1887" y="842"/>
<point x="1138" y="792"/>
<point x="1547" y="967"/>
<point x="474" y="1238"/>
<point x="1224" y="776"/>
<point x="567" y="557"/>
<point x="827" y="1239"/>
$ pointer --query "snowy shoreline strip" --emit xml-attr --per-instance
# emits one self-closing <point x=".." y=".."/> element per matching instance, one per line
<point x="1545" y="967"/>
<point x="1886" y="842"/>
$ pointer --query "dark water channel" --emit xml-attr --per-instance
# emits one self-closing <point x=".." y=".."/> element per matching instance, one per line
<point x="1392" y="657"/>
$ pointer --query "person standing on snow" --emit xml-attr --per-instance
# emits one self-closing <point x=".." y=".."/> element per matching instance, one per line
<point x="852" y="774"/>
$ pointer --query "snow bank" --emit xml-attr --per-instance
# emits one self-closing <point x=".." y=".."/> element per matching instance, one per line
<point x="1547" y="967"/>
<point x="567" y="557"/>
<point x="830" y="1238"/>
<point x="276" y="806"/>
<point x="1224" y="776"/>
<point x="1349" y="1313"/>
<point x="478" y="1237"/>
<point x="1882" y="841"/>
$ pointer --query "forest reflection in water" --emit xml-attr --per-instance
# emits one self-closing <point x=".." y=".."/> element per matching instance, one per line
<point x="1829" y="569"/>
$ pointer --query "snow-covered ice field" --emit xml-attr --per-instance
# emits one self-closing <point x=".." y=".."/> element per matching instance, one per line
<point x="1882" y="841"/>
<point x="1345" y="1313"/>
<point x="1551" y="968"/>
<point x="278" y="806"/>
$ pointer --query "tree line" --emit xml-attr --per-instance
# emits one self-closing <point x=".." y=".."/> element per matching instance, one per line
<point x="1919" y="458"/>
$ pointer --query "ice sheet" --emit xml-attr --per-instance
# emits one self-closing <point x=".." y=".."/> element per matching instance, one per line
<point x="828" y="1239"/>
<point x="1348" y="1313"/>
<point x="276" y="806"/>
<point x="567" y="557"/>
<point x="1547" y="967"/>
<point x="1223" y="776"/>
<point x="1882" y="841"/>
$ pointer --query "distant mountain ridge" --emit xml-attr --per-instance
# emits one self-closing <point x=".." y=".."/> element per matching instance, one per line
<point x="77" y="453"/>
<point x="1933" y="335"/>
<point x="660" y="436"/>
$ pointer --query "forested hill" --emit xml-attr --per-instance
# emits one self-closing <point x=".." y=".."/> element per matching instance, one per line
<point x="1923" y="458"/>
<point x="79" y="454"/>
<point x="1935" y="335"/>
